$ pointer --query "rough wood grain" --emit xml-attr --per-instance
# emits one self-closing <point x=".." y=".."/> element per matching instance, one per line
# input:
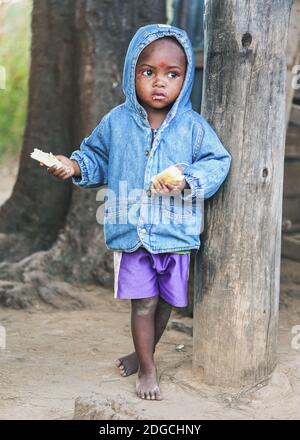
<point x="237" y="271"/>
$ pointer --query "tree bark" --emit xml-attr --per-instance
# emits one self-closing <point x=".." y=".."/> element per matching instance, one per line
<point x="31" y="218"/>
<point x="237" y="270"/>
<point x="78" y="51"/>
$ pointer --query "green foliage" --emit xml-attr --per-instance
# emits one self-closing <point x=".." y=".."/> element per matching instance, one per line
<point x="15" y="37"/>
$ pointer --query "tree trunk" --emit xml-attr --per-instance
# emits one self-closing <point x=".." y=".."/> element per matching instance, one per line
<point x="31" y="218"/>
<point x="237" y="270"/>
<point x="78" y="52"/>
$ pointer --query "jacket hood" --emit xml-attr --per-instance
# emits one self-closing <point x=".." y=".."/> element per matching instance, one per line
<point x="143" y="37"/>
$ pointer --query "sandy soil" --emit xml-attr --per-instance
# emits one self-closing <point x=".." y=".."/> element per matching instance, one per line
<point x="54" y="356"/>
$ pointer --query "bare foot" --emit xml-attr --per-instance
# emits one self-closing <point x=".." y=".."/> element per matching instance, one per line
<point x="128" y="364"/>
<point x="147" y="385"/>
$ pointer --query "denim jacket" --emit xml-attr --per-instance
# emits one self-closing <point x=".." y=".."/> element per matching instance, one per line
<point x="122" y="153"/>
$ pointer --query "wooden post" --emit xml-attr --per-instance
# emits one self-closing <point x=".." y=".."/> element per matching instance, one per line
<point x="237" y="270"/>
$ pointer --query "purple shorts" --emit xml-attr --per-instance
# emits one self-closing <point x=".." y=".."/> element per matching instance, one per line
<point x="140" y="274"/>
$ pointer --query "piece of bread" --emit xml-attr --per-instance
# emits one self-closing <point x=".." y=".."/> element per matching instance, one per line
<point x="47" y="159"/>
<point x="171" y="175"/>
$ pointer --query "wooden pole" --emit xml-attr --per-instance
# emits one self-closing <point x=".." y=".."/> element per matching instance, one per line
<point x="237" y="270"/>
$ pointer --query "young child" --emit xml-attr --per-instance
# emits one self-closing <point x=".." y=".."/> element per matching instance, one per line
<point x="153" y="129"/>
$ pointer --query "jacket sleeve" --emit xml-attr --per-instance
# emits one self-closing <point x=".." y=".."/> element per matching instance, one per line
<point x="92" y="158"/>
<point x="211" y="166"/>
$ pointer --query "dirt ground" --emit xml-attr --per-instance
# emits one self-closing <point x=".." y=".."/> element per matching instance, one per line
<point x="53" y="357"/>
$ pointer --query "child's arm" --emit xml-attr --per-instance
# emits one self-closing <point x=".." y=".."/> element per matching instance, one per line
<point x="212" y="164"/>
<point x="92" y="158"/>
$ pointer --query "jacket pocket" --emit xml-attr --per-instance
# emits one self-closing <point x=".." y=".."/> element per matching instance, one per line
<point x="178" y="211"/>
<point x="122" y="212"/>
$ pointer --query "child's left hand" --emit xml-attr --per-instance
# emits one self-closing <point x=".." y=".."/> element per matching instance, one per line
<point x="166" y="188"/>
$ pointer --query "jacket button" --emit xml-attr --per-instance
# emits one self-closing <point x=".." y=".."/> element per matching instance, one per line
<point x="147" y="152"/>
<point x="149" y="193"/>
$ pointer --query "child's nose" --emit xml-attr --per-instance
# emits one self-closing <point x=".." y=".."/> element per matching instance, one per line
<point x="159" y="82"/>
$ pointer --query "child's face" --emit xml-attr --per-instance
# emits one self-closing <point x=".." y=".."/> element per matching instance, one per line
<point x="159" y="74"/>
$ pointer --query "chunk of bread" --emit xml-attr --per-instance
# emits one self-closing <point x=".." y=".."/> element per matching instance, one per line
<point x="171" y="175"/>
<point x="47" y="159"/>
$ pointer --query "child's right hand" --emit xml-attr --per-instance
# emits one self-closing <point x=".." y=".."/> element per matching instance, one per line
<point x="70" y="169"/>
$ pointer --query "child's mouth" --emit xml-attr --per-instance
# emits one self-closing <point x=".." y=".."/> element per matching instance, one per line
<point x="158" y="97"/>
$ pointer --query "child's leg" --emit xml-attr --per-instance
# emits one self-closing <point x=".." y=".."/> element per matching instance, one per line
<point x="162" y="315"/>
<point x="143" y="334"/>
<point x="129" y="364"/>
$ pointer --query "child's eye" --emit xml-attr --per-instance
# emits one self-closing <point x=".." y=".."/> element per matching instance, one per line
<point x="175" y="74"/>
<point x="147" y="71"/>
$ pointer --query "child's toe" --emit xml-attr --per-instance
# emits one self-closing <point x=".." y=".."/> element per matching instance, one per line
<point x="158" y="396"/>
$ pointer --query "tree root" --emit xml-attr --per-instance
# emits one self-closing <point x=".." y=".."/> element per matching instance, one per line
<point x="50" y="276"/>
